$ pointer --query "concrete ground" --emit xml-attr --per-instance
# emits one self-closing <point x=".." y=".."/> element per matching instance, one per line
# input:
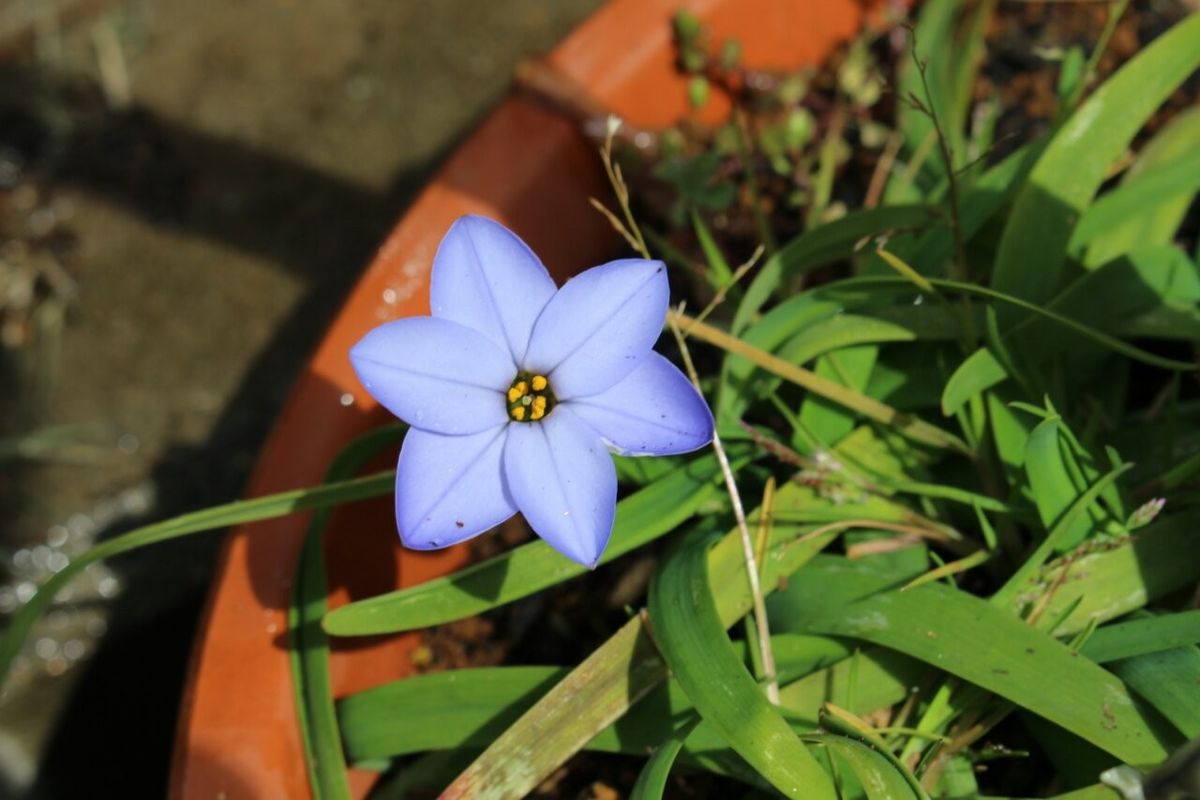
<point x="215" y="176"/>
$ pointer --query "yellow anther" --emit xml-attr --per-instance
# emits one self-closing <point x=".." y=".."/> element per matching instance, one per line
<point x="529" y="398"/>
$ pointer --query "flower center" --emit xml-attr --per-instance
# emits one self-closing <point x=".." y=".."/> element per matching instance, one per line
<point x="530" y="397"/>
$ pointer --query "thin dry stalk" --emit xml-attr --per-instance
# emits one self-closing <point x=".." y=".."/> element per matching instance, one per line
<point x="764" y="522"/>
<point x="739" y="514"/>
<point x="719" y="298"/>
<point x="887" y="160"/>
<point x="632" y="233"/>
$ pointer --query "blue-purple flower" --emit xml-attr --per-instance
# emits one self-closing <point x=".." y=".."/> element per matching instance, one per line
<point x="515" y="391"/>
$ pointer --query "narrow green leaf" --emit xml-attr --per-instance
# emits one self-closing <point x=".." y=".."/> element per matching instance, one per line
<point x="721" y="274"/>
<point x="1158" y="560"/>
<point x="905" y="271"/>
<point x="217" y="517"/>
<point x="957" y="632"/>
<point x="1032" y="251"/>
<point x="831" y="242"/>
<point x="1100" y="337"/>
<point x="1010" y="431"/>
<point x="308" y="646"/>
<point x="1158" y="220"/>
<point x="641" y="517"/>
<point x="1141" y="636"/>
<point x="692" y="639"/>
<point x="460" y="708"/>
<point x="1142" y="195"/>
<point x="652" y="781"/>
<point x="469" y="708"/>
<point x="1097" y="792"/>
<point x="605" y="684"/>
<point x="1167" y="680"/>
<point x="878" y="776"/>
<point x="907" y="425"/>
<point x="1065" y="526"/>
<point x="978" y="373"/>
<point x="1056" y="484"/>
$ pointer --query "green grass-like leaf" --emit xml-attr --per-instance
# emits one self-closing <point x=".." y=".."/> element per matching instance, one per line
<point x="1034" y="245"/>
<point x="642" y="517"/>
<point x="986" y="645"/>
<point x="217" y="517"/>
<point x="692" y="639"/>
<point x="309" y="647"/>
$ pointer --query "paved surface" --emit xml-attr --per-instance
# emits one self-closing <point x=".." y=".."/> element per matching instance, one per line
<point x="224" y="170"/>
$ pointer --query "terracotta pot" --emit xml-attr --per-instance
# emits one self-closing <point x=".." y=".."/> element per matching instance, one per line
<point x="530" y="168"/>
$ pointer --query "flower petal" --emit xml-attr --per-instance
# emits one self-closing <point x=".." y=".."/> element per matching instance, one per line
<point x="654" y="410"/>
<point x="450" y="488"/>
<point x="435" y="374"/>
<point x="564" y="482"/>
<point x="599" y="326"/>
<point x="486" y="278"/>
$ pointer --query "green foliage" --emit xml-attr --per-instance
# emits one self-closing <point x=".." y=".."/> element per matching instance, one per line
<point x="978" y="400"/>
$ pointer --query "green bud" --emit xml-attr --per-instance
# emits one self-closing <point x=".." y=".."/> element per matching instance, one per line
<point x="687" y="26"/>
<point x="798" y="129"/>
<point x="792" y="89"/>
<point x="731" y="53"/>
<point x="693" y="59"/>
<point x="672" y="142"/>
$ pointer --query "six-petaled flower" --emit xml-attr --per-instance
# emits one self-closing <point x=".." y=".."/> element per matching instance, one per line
<point x="515" y="391"/>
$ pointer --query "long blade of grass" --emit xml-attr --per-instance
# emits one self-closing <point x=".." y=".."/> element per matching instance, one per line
<point x="1119" y="578"/>
<point x="652" y="780"/>
<point x="470" y="708"/>
<point x="721" y="274"/>
<point x="642" y="517"/>
<point x="957" y="632"/>
<point x="587" y="701"/>
<point x="1032" y="251"/>
<point x="905" y="424"/>
<point x="217" y="517"/>
<point x="1056" y="536"/>
<point x="1141" y="636"/>
<point x="822" y="245"/>
<point x="1100" y="337"/>
<point x="1167" y="680"/>
<point x="309" y="647"/>
<point x="1168" y="183"/>
<point x="1158" y="220"/>
<point x="693" y="641"/>
<point x="879" y="777"/>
